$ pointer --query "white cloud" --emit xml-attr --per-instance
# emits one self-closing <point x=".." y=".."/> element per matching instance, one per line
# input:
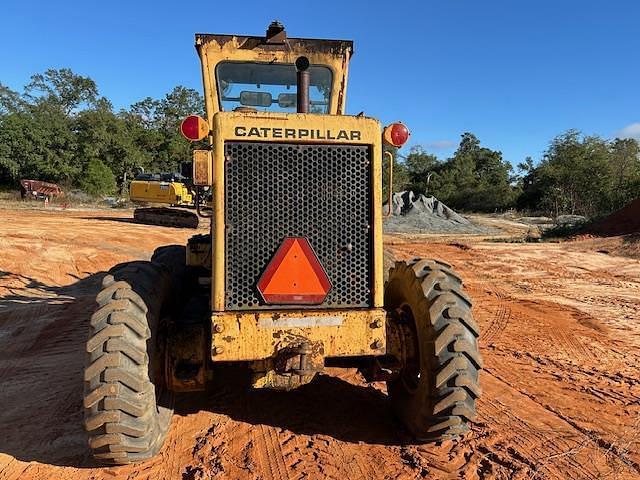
<point x="630" y="131"/>
<point x="443" y="144"/>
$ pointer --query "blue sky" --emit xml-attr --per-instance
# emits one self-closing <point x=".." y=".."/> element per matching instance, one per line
<point x="514" y="72"/>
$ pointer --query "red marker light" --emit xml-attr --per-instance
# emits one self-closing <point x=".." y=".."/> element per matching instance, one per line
<point x="396" y="134"/>
<point x="194" y="128"/>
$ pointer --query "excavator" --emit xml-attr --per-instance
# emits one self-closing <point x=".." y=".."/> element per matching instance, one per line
<point x="173" y="189"/>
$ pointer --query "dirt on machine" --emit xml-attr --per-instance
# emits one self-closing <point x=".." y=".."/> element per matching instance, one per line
<point x="290" y="278"/>
<point x="173" y="189"/>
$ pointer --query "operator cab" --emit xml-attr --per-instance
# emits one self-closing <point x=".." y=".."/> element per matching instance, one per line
<point x="245" y="73"/>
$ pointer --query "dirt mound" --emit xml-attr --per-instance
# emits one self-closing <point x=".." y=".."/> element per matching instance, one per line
<point x="411" y="213"/>
<point x="621" y="222"/>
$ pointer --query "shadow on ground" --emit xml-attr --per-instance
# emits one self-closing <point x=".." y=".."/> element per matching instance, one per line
<point x="43" y="330"/>
<point x="327" y="406"/>
<point x="113" y="219"/>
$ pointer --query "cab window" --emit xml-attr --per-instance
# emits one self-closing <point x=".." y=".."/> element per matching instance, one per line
<point x="270" y="86"/>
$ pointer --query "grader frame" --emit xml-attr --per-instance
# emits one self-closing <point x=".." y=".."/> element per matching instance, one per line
<point x="290" y="278"/>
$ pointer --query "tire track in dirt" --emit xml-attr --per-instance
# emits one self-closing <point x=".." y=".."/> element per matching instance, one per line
<point x="316" y="456"/>
<point x="494" y="305"/>
<point x="615" y="388"/>
<point x="590" y="442"/>
<point x="12" y="470"/>
<point x="569" y="342"/>
<point x="240" y="447"/>
<point x="351" y="461"/>
<point x="527" y="446"/>
<point x="36" y="349"/>
<point x="441" y="461"/>
<point x="269" y="453"/>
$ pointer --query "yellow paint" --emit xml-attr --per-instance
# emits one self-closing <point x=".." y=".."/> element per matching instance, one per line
<point x="225" y="127"/>
<point x="202" y="168"/>
<point x="244" y="336"/>
<point x="241" y="336"/>
<point x="213" y="51"/>
<point x="171" y="193"/>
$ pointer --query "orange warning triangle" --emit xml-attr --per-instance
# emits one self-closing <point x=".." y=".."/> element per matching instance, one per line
<point x="294" y="275"/>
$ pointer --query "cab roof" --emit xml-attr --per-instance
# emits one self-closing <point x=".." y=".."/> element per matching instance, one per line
<point x="276" y="39"/>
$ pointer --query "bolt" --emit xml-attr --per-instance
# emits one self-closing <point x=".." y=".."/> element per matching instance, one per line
<point x="377" y="323"/>
<point x="377" y="344"/>
<point x="218" y="328"/>
<point x="218" y="350"/>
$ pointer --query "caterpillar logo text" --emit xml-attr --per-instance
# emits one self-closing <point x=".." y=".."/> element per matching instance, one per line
<point x="298" y="133"/>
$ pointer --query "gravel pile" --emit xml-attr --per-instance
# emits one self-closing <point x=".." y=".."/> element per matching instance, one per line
<point x="411" y="213"/>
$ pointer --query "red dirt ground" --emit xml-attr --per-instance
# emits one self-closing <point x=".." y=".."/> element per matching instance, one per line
<point x="560" y="338"/>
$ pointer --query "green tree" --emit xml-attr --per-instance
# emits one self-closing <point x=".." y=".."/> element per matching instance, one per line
<point x="10" y="100"/>
<point x="585" y="175"/>
<point x="111" y="139"/>
<point x="475" y="178"/>
<point x="624" y="163"/>
<point x="36" y="126"/>
<point x="61" y="88"/>
<point x="60" y="126"/>
<point x="38" y="143"/>
<point x="420" y="168"/>
<point x="98" y="179"/>
<point x="159" y="126"/>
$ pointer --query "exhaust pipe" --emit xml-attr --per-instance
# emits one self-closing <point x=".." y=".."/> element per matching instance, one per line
<point x="302" y="69"/>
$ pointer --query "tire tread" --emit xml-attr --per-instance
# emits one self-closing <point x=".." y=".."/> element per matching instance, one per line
<point x="455" y="360"/>
<point x="121" y="412"/>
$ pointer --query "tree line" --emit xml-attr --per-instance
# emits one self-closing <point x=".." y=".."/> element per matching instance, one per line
<point x="578" y="175"/>
<point x="60" y="129"/>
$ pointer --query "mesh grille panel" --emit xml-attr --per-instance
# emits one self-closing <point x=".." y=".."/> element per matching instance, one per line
<point x="320" y="192"/>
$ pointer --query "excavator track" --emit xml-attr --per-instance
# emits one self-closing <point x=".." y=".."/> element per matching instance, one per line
<point x="167" y="217"/>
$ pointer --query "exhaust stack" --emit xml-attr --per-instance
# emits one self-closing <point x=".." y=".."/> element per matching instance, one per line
<point x="302" y="68"/>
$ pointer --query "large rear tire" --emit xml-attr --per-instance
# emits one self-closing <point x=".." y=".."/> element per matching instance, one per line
<point x="127" y="407"/>
<point x="434" y="395"/>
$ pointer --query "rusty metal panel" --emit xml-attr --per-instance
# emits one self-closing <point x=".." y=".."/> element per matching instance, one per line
<point x="202" y="168"/>
<point x="244" y="336"/>
<point x="43" y="188"/>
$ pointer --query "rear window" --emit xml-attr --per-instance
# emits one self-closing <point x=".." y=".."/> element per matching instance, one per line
<point x="270" y="87"/>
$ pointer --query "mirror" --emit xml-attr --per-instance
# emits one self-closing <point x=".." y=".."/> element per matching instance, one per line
<point x="255" y="99"/>
<point x="287" y="100"/>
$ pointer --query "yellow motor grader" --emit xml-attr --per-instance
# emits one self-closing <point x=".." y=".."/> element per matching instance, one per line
<point x="290" y="278"/>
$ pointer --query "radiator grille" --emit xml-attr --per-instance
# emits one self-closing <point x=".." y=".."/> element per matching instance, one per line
<point x="320" y="192"/>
